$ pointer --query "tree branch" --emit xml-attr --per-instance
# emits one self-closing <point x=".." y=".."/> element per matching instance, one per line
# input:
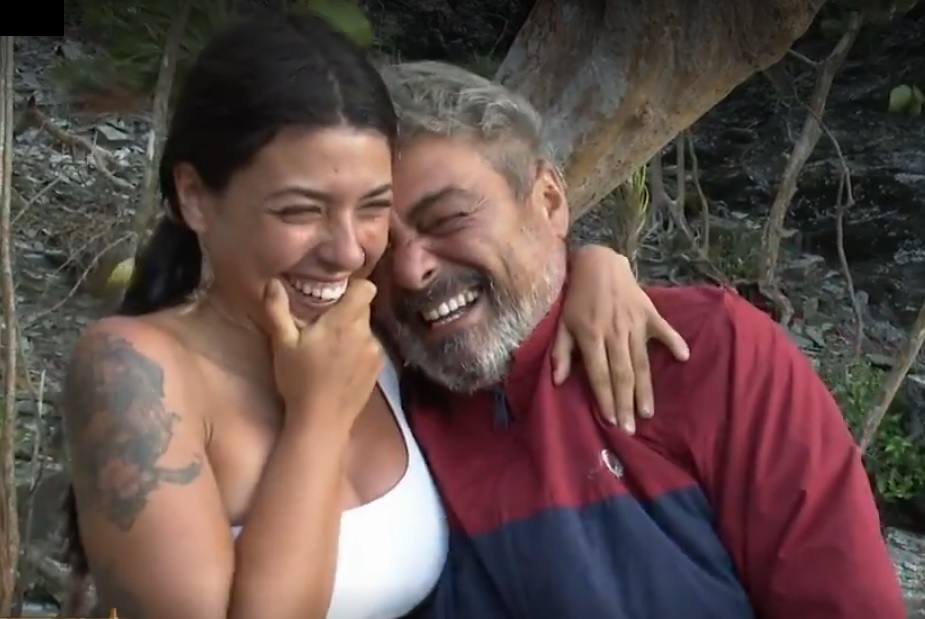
<point x="802" y="150"/>
<point x="9" y="519"/>
<point x="101" y="158"/>
<point x="845" y="200"/>
<point x="894" y="379"/>
<point x="37" y="466"/>
<point x="704" y="203"/>
<point x="149" y="197"/>
<point x="813" y="63"/>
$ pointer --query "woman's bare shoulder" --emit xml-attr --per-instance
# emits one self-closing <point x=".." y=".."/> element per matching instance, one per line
<point x="131" y="338"/>
<point x="123" y="365"/>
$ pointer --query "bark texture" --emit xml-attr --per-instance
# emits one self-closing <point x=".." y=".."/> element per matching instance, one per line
<point x="618" y="79"/>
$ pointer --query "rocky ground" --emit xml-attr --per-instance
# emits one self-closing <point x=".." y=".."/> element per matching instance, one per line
<point x="69" y="211"/>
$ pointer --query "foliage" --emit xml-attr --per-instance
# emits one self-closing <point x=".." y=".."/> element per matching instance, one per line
<point x="906" y="99"/>
<point x="132" y="35"/>
<point x="347" y="17"/>
<point x="631" y="202"/>
<point x="485" y="65"/>
<point x="120" y="275"/>
<point x="736" y="252"/>
<point x="895" y="459"/>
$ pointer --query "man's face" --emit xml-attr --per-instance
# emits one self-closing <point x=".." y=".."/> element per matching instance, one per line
<point x="472" y="268"/>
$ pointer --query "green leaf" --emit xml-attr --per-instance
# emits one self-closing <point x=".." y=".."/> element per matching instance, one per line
<point x="917" y="94"/>
<point x="346" y="16"/>
<point x="120" y="275"/>
<point x="900" y="98"/>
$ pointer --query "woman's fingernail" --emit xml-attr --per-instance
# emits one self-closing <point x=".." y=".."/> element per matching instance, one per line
<point x="629" y="426"/>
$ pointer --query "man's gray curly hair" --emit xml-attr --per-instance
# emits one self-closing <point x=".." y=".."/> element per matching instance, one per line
<point x="435" y="98"/>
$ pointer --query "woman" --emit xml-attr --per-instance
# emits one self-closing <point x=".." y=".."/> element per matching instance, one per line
<point x="238" y="444"/>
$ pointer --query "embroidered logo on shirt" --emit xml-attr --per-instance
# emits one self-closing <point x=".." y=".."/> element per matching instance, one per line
<point x="612" y="463"/>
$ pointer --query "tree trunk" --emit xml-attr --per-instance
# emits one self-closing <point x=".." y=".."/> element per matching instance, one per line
<point x="165" y="77"/>
<point x="9" y="522"/>
<point x="648" y="70"/>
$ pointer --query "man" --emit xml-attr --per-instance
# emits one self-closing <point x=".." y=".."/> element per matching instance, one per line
<point x="745" y="496"/>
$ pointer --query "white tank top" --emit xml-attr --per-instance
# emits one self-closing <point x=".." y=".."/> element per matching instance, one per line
<point x="391" y="550"/>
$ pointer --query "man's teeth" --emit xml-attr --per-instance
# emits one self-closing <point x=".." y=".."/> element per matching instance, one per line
<point x="322" y="292"/>
<point x="449" y="306"/>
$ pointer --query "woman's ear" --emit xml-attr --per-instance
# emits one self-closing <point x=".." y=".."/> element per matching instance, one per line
<point x="192" y="195"/>
<point x="549" y="192"/>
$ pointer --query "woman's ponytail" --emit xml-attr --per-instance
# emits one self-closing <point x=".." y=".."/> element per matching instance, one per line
<point x="166" y="272"/>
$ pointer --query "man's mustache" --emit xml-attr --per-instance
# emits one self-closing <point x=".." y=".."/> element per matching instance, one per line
<point x="442" y="288"/>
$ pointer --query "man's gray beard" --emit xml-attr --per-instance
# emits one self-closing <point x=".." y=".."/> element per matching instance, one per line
<point x="481" y="356"/>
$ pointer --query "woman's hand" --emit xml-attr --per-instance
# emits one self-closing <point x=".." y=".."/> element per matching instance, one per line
<point x="611" y="318"/>
<point x="328" y="368"/>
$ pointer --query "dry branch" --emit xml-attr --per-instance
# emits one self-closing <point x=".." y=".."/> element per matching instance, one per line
<point x="25" y="206"/>
<point x="809" y="136"/>
<point x="81" y="279"/>
<point x="165" y="77"/>
<point x="892" y="382"/>
<point x="698" y="257"/>
<point x="101" y="158"/>
<point x="37" y="465"/>
<point x="9" y="521"/>
<point x="844" y="201"/>
<point x="704" y="203"/>
<point x="661" y="199"/>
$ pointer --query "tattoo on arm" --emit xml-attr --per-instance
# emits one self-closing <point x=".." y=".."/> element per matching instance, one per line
<point x="121" y="428"/>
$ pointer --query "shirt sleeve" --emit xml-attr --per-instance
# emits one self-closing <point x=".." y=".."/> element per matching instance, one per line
<point x="785" y="476"/>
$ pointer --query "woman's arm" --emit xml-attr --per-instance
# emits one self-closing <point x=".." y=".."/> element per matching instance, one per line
<point x="152" y="520"/>
<point x="610" y="318"/>
<point x="150" y="515"/>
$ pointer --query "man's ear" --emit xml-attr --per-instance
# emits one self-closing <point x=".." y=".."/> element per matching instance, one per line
<point x="193" y="197"/>
<point x="549" y="193"/>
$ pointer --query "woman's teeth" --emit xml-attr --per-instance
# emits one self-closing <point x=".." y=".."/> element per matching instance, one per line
<point x="450" y="307"/>
<point x="320" y="292"/>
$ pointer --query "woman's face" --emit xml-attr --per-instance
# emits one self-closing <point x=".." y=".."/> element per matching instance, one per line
<point x="311" y="209"/>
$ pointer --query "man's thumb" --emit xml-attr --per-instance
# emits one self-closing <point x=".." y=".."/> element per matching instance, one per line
<point x="281" y="324"/>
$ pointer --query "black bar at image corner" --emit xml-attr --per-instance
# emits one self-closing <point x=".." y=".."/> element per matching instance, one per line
<point x="32" y="18"/>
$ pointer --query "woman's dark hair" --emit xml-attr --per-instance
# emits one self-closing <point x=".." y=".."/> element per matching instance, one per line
<point x="261" y="75"/>
<point x="254" y="79"/>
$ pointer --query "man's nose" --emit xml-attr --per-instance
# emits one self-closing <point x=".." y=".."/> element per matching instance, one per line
<point x="341" y="250"/>
<point x="413" y="265"/>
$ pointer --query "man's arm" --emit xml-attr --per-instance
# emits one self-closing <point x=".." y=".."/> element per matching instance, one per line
<point x="785" y="476"/>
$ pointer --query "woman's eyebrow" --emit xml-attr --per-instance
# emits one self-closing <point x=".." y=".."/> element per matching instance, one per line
<point x="378" y="191"/>
<point x="300" y="190"/>
<point x="321" y="196"/>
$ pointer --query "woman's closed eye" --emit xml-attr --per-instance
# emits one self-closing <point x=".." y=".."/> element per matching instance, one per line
<point x="376" y="206"/>
<point x="298" y="211"/>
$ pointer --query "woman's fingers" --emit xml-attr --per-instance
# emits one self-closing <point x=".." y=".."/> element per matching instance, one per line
<point x="562" y="354"/>
<point x="622" y="380"/>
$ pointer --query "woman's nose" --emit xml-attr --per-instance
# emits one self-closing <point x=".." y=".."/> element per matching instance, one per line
<point x="341" y="250"/>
